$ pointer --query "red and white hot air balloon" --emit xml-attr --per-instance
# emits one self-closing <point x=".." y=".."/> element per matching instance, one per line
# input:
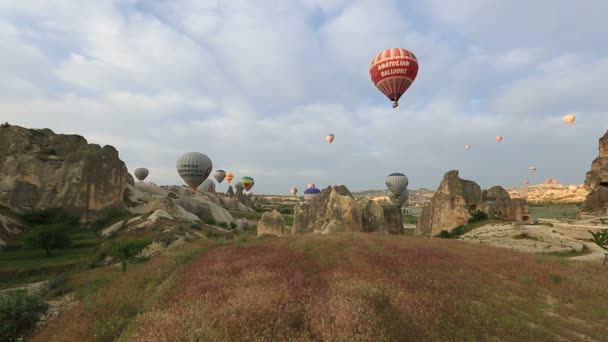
<point x="393" y="71"/>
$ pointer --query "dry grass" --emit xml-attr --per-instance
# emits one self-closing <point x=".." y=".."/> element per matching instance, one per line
<point x="373" y="287"/>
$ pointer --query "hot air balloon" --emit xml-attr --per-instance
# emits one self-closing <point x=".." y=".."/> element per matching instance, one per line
<point x="229" y="177"/>
<point x="141" y="173"/>
<point x="194" y="168"/>
<point x="393" y="71"/>
<point x="468" y="147"/>
<point x="532" y="169"/>
<point x="581" y="186"/>
<point x="548" y="180"/>
<point x="310" y="186"/>
<point x="526" y="183"/>
<point x="401" y="199"/>
<point x="238" y="186"/>
<point x="569" y="119"/>
<point x="293" y="191"/>
<point x="553" y="181"/>
<point x="207" y="186"/>
<point x="396" y="183"/>
<point x="219" y="175"/>
<point x="499" y="138"/>
<point x="573" y="188"/>
<point x="247" y="182"/>
<point x="310" y="193"/>
<point x="330" y="138"/>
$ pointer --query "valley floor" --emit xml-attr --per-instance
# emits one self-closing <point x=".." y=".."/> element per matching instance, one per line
<point x="369" y="287"/>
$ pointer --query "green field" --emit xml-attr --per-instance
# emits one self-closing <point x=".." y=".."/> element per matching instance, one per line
<point x="554" y="210"/>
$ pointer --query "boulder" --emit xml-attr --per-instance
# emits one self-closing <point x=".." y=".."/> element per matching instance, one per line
<point x="332" y="210"/>
<point x="373" y="217"/>
<point x="168" y="205"/>
<point x="113" y="228"/>
<point x="230" y="191"/>
<point x="271" y="223"/>
<point x="40" y="169"/>
<point x="205" y="210"/>
<point x="242" y="224"/>
<point x="456" y="200"/>
<point x="393" y="219"/>
<point x="596" y="181"/>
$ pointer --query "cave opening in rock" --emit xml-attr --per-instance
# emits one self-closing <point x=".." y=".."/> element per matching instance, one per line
<point x="525" y="218"/>
<point x="473" y="207"/>
<point x="604" y="184"/>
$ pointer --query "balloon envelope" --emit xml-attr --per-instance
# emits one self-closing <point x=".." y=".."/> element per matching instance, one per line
<point x="238" y="186"/>
<point x="468" y="147"/>
<point x="310" y="193"/>
<point x="569" y="119"/>
<point x="532" y="169"/>
<point x="548" y="180"/>
<point x="229" y="177"/>
<point x="329" y="138"/>
<point x="194" y="168"/>
<point x="207" y="186"/>
<point x="219" y="175"/>
<point x="293" y="191"/>
<point x="499" y="138"/>
<point x="401" y="199"/>
<point x="310" y="186"/>
<point x="393" y="71"/>
<point x="396" y="183"/>
<point x="141" y="173"/>
<point x="247" y="182"/>
<point x="526" y="182"/>
<point x="573" y="188"/>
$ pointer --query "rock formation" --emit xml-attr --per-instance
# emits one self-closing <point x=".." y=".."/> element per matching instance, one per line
<point x="393" y="219"/>
<point x="9" y="227"/>
<point x="373" y="217"/>
<point x="456" y="200"/>
<point x="596" y="201"/>
<point x="230" y="191"/>
<point x="40" y="169"/>
<point x="332" y="210"/>
<point x="271" y="223"/>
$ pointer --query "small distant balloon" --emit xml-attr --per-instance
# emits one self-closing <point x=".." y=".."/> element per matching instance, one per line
<point x="330" y="138"/>
<point x="549" y="180"/>
<point x="532" y="169"/>
<point x="310" y="193"/>
<point x="581" y="186"/>
<point x="311" y="186"/>
<point x="293" y="191"/>
<point x="573" y="188"/>
<point x="553" y="181"/>
<point x="141" y="173"/>
<point x="247" y="182"/>
<point x="238" y="186"/>
<point x="396" y="183"/>
<point x="468" y="147"/>
<point x="499" y="138"/>
<point x="229" y="177"/>
<point x="569" y="119"/>
<point x="219" y="175"/>
<point x="526" y="183"/>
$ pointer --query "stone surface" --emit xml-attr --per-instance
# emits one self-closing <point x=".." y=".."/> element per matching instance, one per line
<point x="373" y="217"/>
<point x="271" y="223"/>
<point x="9" y="228"/>
<point x="457" y="199"/>
<point x="596" y="201"/>
<point x="394" y="219"/>
<point x="40" y="169"/>
<point x="333" y="210"/>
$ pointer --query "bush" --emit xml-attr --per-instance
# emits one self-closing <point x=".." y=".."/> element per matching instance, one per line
<point x="456" y="232"/>
<point x="210" y="221"/>
<point x="57" y="286"/>
<point x="19" y="312"/>
<point x="49" y="238"/>
<point x="196" y="226"/>
<point x="601" y="238"/>
<point x="232" y="225"/>
<point x="50" y="217"/>
<point x="127" y="250"/>
<point x="478" y="216"/>
<point x="223" y="224"/>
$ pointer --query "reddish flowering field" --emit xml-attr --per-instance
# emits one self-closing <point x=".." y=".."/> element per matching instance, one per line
<point x="347" y="287"/>
<point x="372" y="287"/>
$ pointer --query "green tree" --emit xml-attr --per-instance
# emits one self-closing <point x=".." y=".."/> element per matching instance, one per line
<point x="50" y="237"/>
<point x="126" y="250"/>
<point x="601" y="238"/>
<point x="19" y="312"/>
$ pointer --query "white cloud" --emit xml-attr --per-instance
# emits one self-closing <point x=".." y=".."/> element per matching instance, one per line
<point x="257" y="86"/>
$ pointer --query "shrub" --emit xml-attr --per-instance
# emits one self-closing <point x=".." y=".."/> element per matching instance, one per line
<point x="232" y="225"/>
<point x="49" y="217"/>
<point x="56" y="286"/>
<point x="19" y="312"/>
<point x="223" y="224"/>
<point x="196" y="226"/>
<point x="601" y="238"/>
<point x="478" y="216"/>
<point x="127" y="250"/>
<point x="49" y="238"/>
<point x="210" y="221"/>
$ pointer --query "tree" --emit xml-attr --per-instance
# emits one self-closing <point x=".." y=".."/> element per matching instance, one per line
<point x="49" y="238"/>
<point x="126" y="250"/>
<point x="600" y="238"/>
<point x="19" y="312"/>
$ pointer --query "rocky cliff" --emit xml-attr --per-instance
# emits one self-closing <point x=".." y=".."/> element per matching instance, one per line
<point x="456" y="200"/>
<point x="40" y="169"/>
<point x="596" y="181"/>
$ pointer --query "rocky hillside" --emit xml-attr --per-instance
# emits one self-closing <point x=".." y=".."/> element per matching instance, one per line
<point x="418" y="198"/>
<point x="597" y="181"/>
<point x="556" y="193"/>
<point x="40" y="169"/>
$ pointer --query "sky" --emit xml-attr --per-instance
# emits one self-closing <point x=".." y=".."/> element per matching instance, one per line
<point x="257" y="85"/>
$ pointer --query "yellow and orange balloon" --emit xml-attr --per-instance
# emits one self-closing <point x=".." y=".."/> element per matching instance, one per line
<point x="229" y="177"/>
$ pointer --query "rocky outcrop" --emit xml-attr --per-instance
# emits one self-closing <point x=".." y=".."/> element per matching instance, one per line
<point x="332" y="210"/>
<point x="393" y="219"/>
<point x="456" y="200"/>
<point x="230" y="191"/>
<point x="271" y="223"/>
<point x="9" y="228"/>
<point x="596" y="181"/>
<point x="169" y="206"/>
<point x="40" y="169"/>
<point x="373" y="217"/>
